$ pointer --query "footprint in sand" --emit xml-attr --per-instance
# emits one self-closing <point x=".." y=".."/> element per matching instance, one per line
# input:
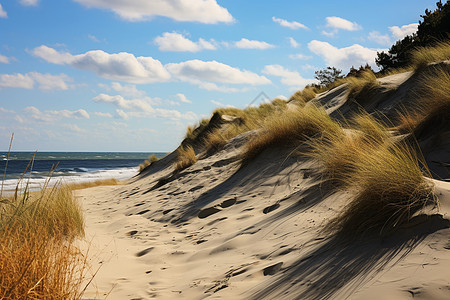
<point x="273" y="269"/>
<point x="271" y="208"/>
<point x="143" y="252"/>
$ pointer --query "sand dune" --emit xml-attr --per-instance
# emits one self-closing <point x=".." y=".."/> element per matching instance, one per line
<point x="220" y="230"/>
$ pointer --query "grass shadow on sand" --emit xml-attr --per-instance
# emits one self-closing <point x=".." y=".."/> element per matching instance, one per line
<point x="333" y="268"/>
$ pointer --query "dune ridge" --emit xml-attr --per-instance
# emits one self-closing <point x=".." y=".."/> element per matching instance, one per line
<point x="219" y="228"/>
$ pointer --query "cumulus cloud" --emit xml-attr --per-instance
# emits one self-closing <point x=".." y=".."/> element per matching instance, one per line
<point x="204" y="73"/>
<point x="340" y="23"/>
<point x="27" y="81"/>
<point x="290" y="78"/>
<point x="121" y="66"/>
<point x="382" y="39"/>
<point x="183" y="98"/>
<point x="252" y="44"/>
<point x="337" y="23"/>
<point x="203" y="11"/>
<point x="4" y="59"/>
<point x="291" y="25"/>
<point x="400" y="32"/>
<point x="128" y="90"/>
<point x="3" y="13"/>
<point x="54" y="115"/>
<point x="343" y="58"/>
<point x="173" y="41"/>
<point x="29" y="2"/>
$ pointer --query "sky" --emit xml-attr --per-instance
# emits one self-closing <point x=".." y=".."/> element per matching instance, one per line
<point x="131" y="75"/>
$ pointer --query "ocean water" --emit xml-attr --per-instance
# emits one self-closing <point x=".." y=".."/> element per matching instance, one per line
<point x="69" y="167"/>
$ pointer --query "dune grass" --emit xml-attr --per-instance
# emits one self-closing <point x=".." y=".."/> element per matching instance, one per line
<point x="290" y="128"/>
<point x="186" y="158"/>
<point x="384" y="178"/>
<point x="305" y="95"/>
<point x="338" y="150"/>
<point x="431" y="100"/>
<point x="388" y="188"/>
<point x="421" y="57"/>
<point x="89" y="184"/>
<point x="37" y="257"/>
<point x="151" y="159"/>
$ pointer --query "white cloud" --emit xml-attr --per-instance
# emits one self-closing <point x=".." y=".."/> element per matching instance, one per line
<point x="121" y="66"/>
<point x="252" y="44"/>
<point x="291" y="25"/>
<point x="382" y="39"/>
<point x="121" y="102"/>
<point x="51" y="82"/>
<point x="340" y="23"/>
<point x="293" y="42"/>
<point x="74" y="128"/>
<point x="3" y="13"/>
<point x="29" y="2"/>
<point x="4" y="59"/>
<point x="290" y="78"/>
<point x="127" y="90"/>
<point x="203" y="11"/>
<point x="173" y="41"/>
<point x="400" y="32"/>
<point x="299" y="56"/>
<point x="122" y="114"/>
<point x="343" y="58"/>
<point x="26" y="81"/>
<point x="16" y="81"/>
<point x="204" y="73"/>
<point x="93" y="38"/>
<point x="54" y="115"/>
<point x="183" y="98"/>
<point x="104" y="115"/>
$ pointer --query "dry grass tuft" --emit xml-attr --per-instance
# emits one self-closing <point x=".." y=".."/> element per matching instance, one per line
<point x="186" y="158"/>
<point x="425" y="55"/>
<point x="151" y="159"/>
<point x="89" y="184"/>
<point x="361" y="85"/>
<point x="37" y="258"/>
<point x="289" y="128"/>
<point x="389" y="188"/>
<point x="303" y="96"/>
<point x="337" y="151"/>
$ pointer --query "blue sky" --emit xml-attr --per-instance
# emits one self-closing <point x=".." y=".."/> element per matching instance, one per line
<point x="130" y="75"/>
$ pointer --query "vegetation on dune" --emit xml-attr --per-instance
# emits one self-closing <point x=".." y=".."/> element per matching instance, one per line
<point x="388" y="188"/>
<point x="432" y="30"/>
<point x="37" y="257"/>
<point x="186" y="158"/>
<point x="288" y="128"/>
<point x="151" y="159"/>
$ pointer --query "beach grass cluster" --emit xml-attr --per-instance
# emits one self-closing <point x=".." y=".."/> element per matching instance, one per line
<point x="423" y="56"/>
<point x="289" y="128"/>
<point x="151" y="159"/>
<point x="37" y="257"/>
<point x="186" y="157"/>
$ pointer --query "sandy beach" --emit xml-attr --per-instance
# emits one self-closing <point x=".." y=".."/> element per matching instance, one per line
<point x="222" y="230"/>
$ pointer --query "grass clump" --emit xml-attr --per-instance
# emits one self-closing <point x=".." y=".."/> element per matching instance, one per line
<point x="37" y="257"/>
<point x="305" y="95"/>
<point x="337" y="151"/>
<point x="388" y="188"/>
<point x="425" y="55"/>
<point x="151" y="159"/>
<point x="186" y="158"/>
<point x="289" y="128"/>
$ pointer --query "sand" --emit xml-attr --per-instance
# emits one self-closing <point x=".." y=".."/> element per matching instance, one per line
<point x="221" y="231"/>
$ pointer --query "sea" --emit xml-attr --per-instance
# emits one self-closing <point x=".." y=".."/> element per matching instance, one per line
<point x="35" y="169"/>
